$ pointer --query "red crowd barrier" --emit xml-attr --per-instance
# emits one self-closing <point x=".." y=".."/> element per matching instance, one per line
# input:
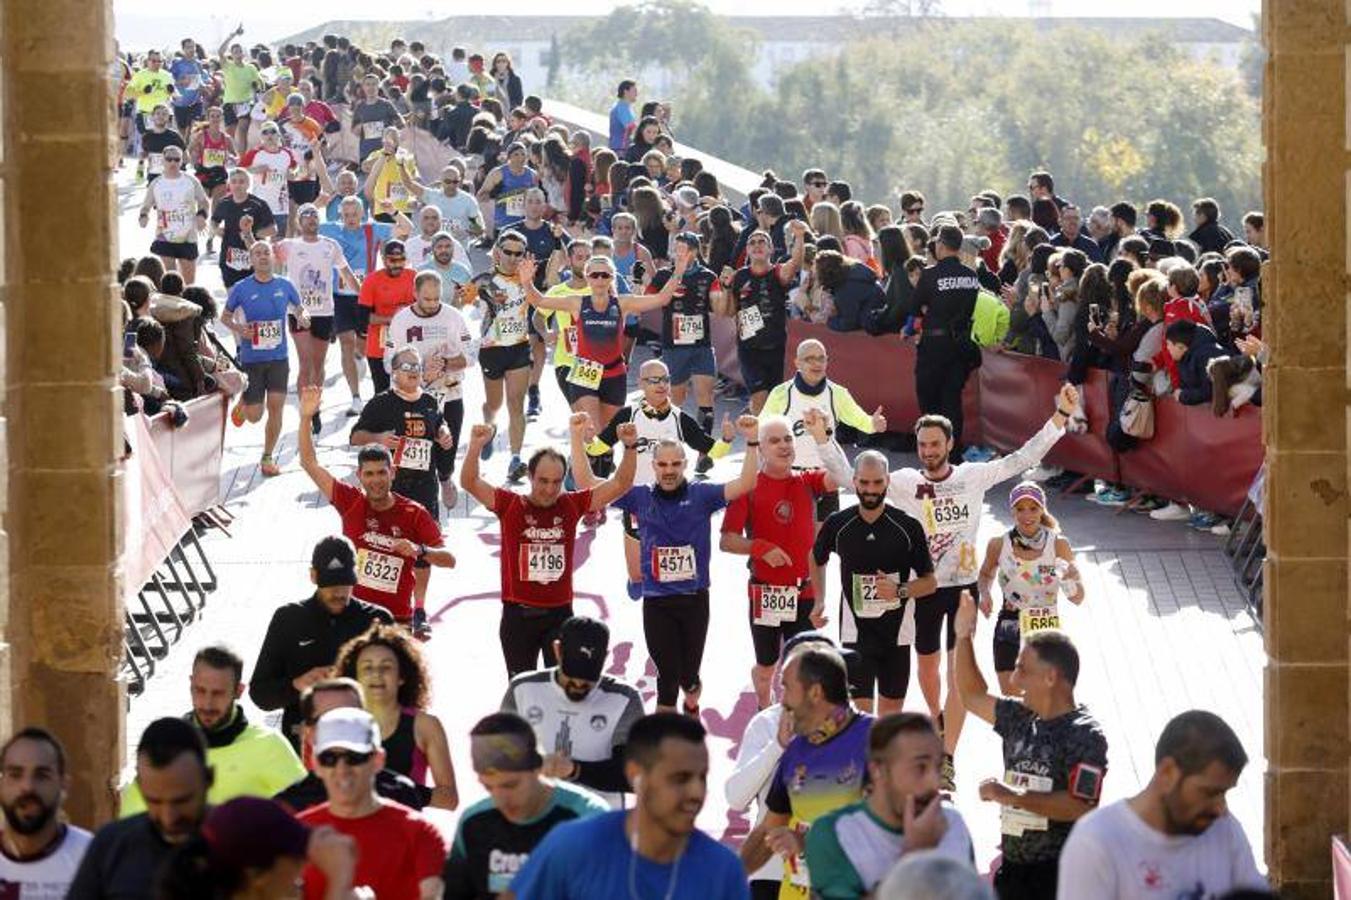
<point x="1193" y="457"/>
<point x="192" y="454"/>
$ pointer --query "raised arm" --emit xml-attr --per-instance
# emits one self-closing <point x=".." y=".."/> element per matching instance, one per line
<point x="481" y="490"/>
<point x="224" y="48"/>
<point x="640" y="303"/>
<point x="838" y="472"/>
<point x="970" y="683"/>
<point x="310" y="397"/>
<point x="578" y="426"/>
<point x="525" y="270"/>
<point x="618" y="484"/>
<point x="788" y="270"/>
<point x="749" y="426"/>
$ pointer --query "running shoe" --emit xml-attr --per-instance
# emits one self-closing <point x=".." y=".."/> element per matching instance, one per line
<point x="354" y="409"/>
<point x="237" y="415"/>
<point x="1148" y="504"/>
<point x="947" y="774"/>
<point x="269" y="467"/>
<point x="532" y="404"/>
<point x="1203" y="521"/>
<point x="704" y="465"/>
<point x="1171" y="512"/>
<point x="422" y="630"/>
<point x="1109" y="496"/>
<point x="516" y="470"/>
<point x="1221" y="528"/>
<point x="977" y="453"/>
<point x="1043" y="473"/>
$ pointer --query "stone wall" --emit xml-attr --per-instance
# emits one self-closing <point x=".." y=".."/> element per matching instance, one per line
<point x="1305" y="122"/>
<point x="61" y="630"/>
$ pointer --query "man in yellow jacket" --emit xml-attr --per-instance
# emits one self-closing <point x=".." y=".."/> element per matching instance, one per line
<point x="246" y="759"/>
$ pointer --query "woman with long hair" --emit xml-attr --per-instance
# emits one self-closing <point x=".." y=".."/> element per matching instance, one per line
<point x="851" y="285"/>
<point x="1034" y="565"/>
<point x="389" y="666"/>
<point x="722" y="237"/>
<point x="1163" y="221"/>
<point x="508" y="82"/>
<point x="554" y="174"/>
<point x="858" y="234"/>
<point x="650" y="210"/>
<point x="644" y="138"/>
<point x="825" y="219"/>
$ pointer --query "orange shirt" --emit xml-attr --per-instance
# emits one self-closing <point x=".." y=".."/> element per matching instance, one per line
<point x="385" y="295"/>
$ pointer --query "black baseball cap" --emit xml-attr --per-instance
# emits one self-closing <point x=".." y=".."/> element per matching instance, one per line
<point x="334" y="561"/>
<point x="584" y="643"/>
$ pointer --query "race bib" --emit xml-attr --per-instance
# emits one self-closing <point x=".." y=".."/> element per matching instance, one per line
<point x="267" y="335"/>
<point x="510" y="329"/>
<point x="749" y="322"/>
<point x="379" y="571"/>
<point x="154" y="163"/>
<point x="945" y="516"/>
<point x="175" y="225"/>
<point x="313" y="299"/>
<point x="413" y="453"/>
<point x="398" y="193"/>
<point x="237" y="258"/>
<point x="515" y="205"/>
<point x="772" y="604"/>
<point x="213" y="158"/>
<point x="371" y="131"/>
<point x="689" y="329"/>
<point x="1032" y="619"/>
<point x="673" y="563"/>
<point x="586" y="374"/>
<point x="1013" y="821"/>
<point x="543" y="563"/>
<point x="242" y="109"/>
<point x="867" y="603"/>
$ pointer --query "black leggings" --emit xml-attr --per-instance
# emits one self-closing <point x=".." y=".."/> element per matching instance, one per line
<point x="527" y="632"/>
<point x="453" y="412"/>
<point x="379" y="374"/>
<point x="938" y="388"/>
<point x="676" y="629"/>
<point x="1026" y="881"/>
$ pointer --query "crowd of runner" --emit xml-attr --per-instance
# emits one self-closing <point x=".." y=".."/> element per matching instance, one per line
<point x="530" y="240"/>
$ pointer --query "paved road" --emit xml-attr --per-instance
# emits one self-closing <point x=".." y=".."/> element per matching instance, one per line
<point x="1164" y="628"/>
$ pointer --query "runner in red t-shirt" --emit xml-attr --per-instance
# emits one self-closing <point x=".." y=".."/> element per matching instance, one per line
<point x="775" y="526"/>
<point x="538" y="533"/>
<point x="385" y="292"/>
<point x="400" y="854"/>
<point x="396" y="538"/>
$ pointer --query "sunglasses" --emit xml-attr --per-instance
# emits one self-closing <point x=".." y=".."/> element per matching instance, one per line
<point x="512" y="253"/>
<point x="448" y="181"/>
<point x="168" y="158"/>
<point x="599" y="276"/>
<point x="657" y="379"/>
<point x="408" y="367"/>
<point x="819" y="184"/>
<point x="396" y="259"/>
<point x="329" y="759"/>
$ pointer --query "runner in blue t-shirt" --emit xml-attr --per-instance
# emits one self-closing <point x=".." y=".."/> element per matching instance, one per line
<point x="674" y="518"/>
<point x="188" y="77"/>
<point x="360" y="240"/>
<point x="651" y="850"/>
<point x="256" y="311"/>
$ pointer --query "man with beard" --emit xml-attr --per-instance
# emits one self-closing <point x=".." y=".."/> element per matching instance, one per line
<point x="651" y="850"/>
<point x="852" y="849"/>
<point x="822" y="768"/>
<point x="947" y="500"/>
<point x="581" y="716"/>
<point x="1176" y="838"/>
<point x="173" y="776"/>
<point x="246" y="759"/>
<point x="884" y="564"/>
<point x="39" y="852"/>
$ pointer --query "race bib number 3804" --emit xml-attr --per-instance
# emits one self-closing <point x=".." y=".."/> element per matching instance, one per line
<point x="772" y="605"/>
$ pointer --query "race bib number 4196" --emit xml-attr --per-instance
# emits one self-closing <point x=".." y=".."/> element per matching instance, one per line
<point x="543" y="563"/>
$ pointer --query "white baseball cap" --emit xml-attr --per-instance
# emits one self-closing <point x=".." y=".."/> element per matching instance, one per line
<point x="347" y="728"/>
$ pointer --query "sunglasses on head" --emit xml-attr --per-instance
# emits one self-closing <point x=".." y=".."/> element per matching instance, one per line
<point x="599" y="276"/>
<point x="330" y="758"/>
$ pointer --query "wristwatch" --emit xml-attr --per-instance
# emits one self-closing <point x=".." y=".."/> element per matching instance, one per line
<point x="421" y="553"/>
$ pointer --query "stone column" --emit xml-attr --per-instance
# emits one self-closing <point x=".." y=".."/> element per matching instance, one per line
<point x="1305" y="417"/>
<point x="61" y="627"/>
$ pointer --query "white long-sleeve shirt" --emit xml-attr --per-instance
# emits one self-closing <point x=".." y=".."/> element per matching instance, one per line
<point x="756" y="761"/>
<point x="950" y="508"/>
<point x="445" y="335"/>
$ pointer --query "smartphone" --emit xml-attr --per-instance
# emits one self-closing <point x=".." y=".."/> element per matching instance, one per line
<point x="129" y="344"/>
<point x="1086" y="782"/>
<point x="1095" y="314"/>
